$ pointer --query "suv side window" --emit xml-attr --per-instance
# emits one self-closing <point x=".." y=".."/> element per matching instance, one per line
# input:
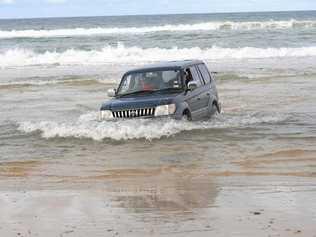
<point x="195" y="76"/>
<point x="205" y="73"/>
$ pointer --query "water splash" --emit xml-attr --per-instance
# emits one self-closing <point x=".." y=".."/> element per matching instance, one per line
<point x="87" y="126"/>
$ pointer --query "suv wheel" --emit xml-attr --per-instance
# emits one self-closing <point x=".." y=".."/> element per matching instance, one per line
<point x="214" y="110"/>
<point x="186" y="116"/>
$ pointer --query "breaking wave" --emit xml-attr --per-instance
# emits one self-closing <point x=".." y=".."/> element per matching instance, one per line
<point x="87" y="126"/>
<point x="204" y="26"/>
<point x="131" y="55"/>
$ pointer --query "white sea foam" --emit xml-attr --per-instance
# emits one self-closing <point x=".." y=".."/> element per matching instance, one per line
<point x="88" y="127"/>
<point x="203" y="26"/>
<point x="133" y="55"/>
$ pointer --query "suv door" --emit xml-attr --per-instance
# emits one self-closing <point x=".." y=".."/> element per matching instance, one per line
<point x="206" y="92"/>
<point x="208" y="81"/>
<point x="197" y="99"/>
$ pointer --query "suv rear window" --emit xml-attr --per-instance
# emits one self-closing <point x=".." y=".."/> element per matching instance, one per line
<point x="205" y="73"/>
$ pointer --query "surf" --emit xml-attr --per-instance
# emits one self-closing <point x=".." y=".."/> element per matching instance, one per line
<point x="203" y="26"/>
<point x="20" y="57"/>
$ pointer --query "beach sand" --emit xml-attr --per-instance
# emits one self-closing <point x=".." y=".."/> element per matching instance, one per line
<point x="258" y="197"/>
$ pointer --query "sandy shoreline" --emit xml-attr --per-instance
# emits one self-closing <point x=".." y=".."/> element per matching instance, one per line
<point x="169" y="200"/>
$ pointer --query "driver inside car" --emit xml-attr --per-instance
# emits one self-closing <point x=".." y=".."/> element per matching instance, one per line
<point x="188" y="77"/>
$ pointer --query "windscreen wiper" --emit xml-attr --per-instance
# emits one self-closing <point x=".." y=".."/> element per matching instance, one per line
<point x="168" y="89"/>
<point x="137" y="92"/>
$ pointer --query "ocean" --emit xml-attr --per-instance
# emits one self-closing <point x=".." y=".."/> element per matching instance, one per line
<point x="54" y="74"/>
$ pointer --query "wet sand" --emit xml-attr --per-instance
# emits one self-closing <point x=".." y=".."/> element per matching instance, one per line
<point x="257" y="196"/>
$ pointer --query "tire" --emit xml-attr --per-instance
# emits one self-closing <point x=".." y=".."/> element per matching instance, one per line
<point x="186" y="116"/>
<point x="214" y="110"/>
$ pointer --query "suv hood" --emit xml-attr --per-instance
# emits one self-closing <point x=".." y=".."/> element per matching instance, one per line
<point x="138" y="102"/>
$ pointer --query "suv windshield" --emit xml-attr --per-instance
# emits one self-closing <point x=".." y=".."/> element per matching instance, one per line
<point x="150" y="81"/>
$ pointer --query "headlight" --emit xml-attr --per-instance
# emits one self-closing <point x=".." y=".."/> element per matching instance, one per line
<point x="165" y="110"/>
<point x="105" y="114"/>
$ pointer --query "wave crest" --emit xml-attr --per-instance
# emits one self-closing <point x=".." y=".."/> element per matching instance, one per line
<point x="204" y="26"/>
<point x="127" y="55"/>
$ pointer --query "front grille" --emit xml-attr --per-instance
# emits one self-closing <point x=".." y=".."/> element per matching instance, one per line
<point x="133" y="113"/>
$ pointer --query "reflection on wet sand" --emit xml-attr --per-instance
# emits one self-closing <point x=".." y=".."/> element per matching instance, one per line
<point x="166" y="189"/>
<point x="178" y="200"/>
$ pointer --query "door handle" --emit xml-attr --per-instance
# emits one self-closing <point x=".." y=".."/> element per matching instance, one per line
<point x="208" y="93"/>
<point x="198" y="98"/>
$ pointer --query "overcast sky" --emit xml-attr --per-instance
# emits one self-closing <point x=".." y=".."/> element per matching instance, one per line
<point x="56" y="8"/>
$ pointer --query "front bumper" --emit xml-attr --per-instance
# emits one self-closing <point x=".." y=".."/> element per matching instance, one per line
<point x="172" y="116"/>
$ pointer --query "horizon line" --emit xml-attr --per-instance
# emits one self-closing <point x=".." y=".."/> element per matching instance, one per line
<point x="160" y="14"/>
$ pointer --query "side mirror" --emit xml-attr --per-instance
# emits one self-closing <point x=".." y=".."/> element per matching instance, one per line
<point x="111" y="92"/>
<point x="192" y="85"/>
